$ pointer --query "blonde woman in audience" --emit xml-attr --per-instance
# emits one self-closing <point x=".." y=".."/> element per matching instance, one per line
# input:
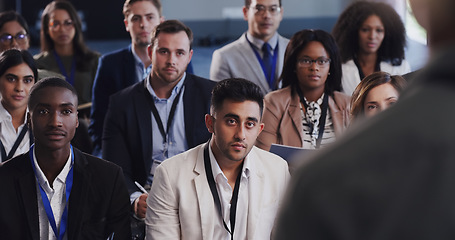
<point x="63" y="49"/>
<point x="371" y="38"/>
<point x="17" y="76"/>
<point x="310" y="111"/>
<point x="376" y="93"/>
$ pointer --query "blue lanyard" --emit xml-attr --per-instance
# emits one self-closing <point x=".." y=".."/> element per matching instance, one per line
<point x="70" y="78"/>
<point x="47" y="204"/>
<point x="274" y="60"/>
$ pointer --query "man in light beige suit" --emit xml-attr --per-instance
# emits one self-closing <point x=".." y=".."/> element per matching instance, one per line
<point x="226" y="188"/>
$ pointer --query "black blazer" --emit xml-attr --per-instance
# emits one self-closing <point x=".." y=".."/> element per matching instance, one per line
<point x="98" y="204"/>
<point x="127" y="136"/>
<point x="116" y="71"/>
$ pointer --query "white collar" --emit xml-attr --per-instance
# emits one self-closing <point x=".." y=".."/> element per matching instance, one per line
<point x="273" y="42"/>
<point x="42" y="180"/>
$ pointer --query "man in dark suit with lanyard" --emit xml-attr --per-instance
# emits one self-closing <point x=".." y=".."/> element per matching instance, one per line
<point x="159" y="117"/>
<point x="124" y="67"/>
<point x="55" y="191"/>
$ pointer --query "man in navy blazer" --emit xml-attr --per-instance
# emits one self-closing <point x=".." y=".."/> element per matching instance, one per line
<point x="88" y="193"/>
<point x="170" y="98"/>
<point x="124" y="67"/>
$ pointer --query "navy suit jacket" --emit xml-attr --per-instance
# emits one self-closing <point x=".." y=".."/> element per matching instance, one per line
<point x="98" y="204"/>
<point x="127" y="136"/>
<point x="116" y="71"/>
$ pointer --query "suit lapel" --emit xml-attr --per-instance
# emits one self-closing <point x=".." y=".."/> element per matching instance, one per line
<point x="27" y="188"/>
<point x="337" y="117"/>
<point x="282" y="44"/>
<point x="204" y="196"/>
<point x="256" y="190"/>
<point x="295" y="114"/>
<point x="189" y="98"/>
<point x="247" y="52"/>
<point x="78" y="196"/>
<point x="129" y="65"/>
<point x="144" y="120"/>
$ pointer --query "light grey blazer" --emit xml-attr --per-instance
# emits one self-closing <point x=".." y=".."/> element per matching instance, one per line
<point x="237" y="59"/>
<point x="180" y="204"/>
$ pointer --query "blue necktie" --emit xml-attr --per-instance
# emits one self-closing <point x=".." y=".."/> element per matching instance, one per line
<point x="267" y="59"/>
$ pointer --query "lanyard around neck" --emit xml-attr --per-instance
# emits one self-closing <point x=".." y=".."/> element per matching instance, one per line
<point x="216" y="198"/>
<point x="69" y="78"/>
<point x="322" y="118"/>
<point x="15" y="146"/>
<point x="261" y="62"/>
<point x="164" y="133"/>
<point x="46" y="202"/>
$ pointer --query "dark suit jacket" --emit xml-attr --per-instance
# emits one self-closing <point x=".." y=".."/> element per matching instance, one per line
<point x="116" y="71"/>
<point x="391" y="177"/>
<point x="127" y="136"/>
<point x="98" y="204"/>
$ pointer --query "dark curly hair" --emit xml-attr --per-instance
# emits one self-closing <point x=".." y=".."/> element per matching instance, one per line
<point x="81" y="52"/>
<point x="297" y="43"/>
<point x="346" y="31"/>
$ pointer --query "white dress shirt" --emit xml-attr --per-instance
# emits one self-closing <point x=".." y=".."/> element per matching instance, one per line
<point x="8" y="134"/>
<point x="225" y="193"/>
<point x="57" y="199"/>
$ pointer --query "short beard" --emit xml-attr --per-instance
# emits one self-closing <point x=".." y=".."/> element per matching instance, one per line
<point x="140" y="43"/>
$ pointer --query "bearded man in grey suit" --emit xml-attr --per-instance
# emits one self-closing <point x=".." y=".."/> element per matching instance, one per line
<point x="258" y="54"/>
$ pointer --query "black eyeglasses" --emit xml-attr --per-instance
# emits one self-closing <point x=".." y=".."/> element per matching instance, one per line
<point x="261" y="9"/>
<point x="7" y="39"/>
<point x="307" y="62"/>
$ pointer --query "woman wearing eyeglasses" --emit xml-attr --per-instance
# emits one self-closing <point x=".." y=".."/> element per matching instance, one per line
<point x="17" y="76"/>
<point x="13" y="31"/>
<point x="309" y="111"/>
<point x="371" y="38"/>
<point x="63" y="49"/>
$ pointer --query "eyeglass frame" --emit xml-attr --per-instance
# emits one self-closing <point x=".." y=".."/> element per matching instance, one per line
<point x="311" y="61"/>
<point x="65" y="24"/>
<point x="260" y="9"/>
<point x="5" y="38"/>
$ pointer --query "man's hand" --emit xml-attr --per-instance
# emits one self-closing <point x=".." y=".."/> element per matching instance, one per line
<point x="140" y="206"/>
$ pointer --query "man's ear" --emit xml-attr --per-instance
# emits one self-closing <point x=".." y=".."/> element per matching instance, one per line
<point x="125" y="21"/>
<point x="209" y="123"/>
<point x="149" y="51"/>
<point x="77" y="119"/>
<point x="245" y="13"/>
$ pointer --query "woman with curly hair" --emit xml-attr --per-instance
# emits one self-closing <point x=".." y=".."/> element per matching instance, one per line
<point x="309" y="111"/>
<point x="376" y="93"/>
<point x="371" y="38"/>
<point x="63" y="49"/>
